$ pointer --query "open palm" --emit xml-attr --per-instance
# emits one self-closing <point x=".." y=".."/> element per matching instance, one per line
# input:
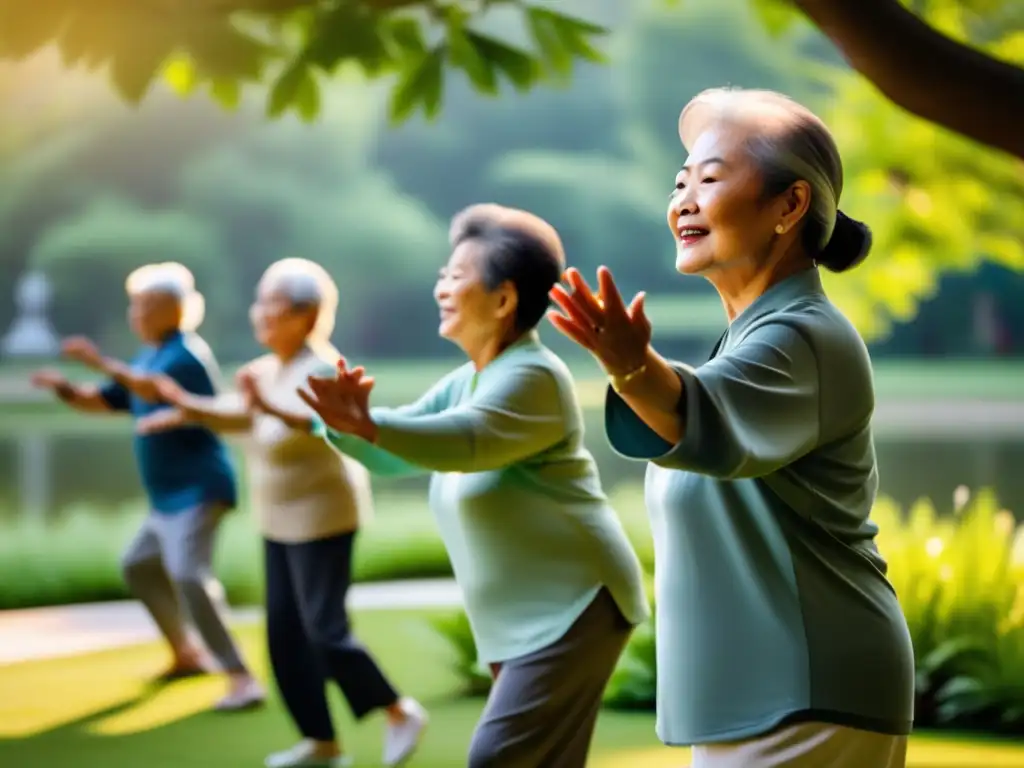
<point x="617" y="335"/>
<point x="342" y="401"/>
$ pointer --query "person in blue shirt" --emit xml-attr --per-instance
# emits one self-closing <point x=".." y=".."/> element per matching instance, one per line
<point x="187" y="474"/>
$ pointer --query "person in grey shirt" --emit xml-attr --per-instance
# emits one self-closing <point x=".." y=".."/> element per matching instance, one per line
<point x="780" y="641"/>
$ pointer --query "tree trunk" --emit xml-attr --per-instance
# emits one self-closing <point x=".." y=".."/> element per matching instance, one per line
<point x="925" y="72"/>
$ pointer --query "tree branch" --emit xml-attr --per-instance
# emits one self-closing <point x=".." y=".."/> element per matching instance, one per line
<point x="925" y="72"/>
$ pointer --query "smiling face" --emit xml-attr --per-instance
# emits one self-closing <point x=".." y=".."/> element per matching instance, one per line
<point x="277" y="324"/>
<point x="472" y="315"/>
<point x="717" y="213"/>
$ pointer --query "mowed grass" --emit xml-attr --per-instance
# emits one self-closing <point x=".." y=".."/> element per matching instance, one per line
<point x="97" y="710"/>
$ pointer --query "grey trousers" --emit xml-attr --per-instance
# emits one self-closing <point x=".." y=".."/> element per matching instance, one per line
<point x="167" y="567"/>
<point x="543" y="707"/>
<point x="806" y="745"/>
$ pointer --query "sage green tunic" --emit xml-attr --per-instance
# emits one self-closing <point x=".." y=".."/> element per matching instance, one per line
<point x="517" y="497"/>
<point x="771" y="596"/>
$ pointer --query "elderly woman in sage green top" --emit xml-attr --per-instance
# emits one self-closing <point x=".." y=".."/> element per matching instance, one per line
<point x="309" y="503"/>
<point x="780" y="640"/>
<point x="551" y="584"/>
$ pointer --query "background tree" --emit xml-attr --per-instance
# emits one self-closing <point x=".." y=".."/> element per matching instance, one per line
<point x="224" y="44"/>
<point x="228" y="190"/>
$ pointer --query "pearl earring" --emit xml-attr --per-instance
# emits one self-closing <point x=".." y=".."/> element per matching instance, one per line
<point x="779" y="229"/>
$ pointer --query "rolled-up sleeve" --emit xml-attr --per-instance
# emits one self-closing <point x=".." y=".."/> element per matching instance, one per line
<point x="519" y="417"/>
<point x="746" y="413"/>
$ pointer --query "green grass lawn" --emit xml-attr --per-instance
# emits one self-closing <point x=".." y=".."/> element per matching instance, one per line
<point x="95" y="710"/>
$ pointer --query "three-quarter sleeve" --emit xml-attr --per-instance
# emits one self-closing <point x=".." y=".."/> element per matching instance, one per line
<point x="116" y="396"/>
<point x="746" y="413"/>
<point x="517" y="417"/>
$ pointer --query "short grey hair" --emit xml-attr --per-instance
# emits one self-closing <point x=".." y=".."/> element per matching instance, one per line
<point x="172" y="279"/>
<point x="789" y="143"/>
<point x="306" y="285"/>
<point x="518" y="247"/>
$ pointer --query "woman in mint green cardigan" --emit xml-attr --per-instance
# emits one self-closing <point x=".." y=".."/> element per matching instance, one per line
<point x="551" y="584"/>
<point x="781" y="644"/>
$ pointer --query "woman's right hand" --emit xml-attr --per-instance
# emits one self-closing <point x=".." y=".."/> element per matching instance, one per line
<point x="343" y="401"/>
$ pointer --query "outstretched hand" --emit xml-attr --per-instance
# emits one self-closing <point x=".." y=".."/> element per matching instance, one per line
<point x="82" y="349"/>
<point x="617" y="335"/>
<point x="48" y="378"/>
<point x="343" y="401"/>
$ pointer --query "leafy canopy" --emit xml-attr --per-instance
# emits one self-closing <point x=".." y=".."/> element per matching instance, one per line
<point x="223" y="45"/>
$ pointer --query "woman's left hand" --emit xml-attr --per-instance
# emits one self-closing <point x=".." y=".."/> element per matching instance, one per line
<point x="343" y="401"/>
<point x="617" y="335"/>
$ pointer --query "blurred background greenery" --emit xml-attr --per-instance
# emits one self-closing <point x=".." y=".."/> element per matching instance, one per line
<point x="91" y="188"/>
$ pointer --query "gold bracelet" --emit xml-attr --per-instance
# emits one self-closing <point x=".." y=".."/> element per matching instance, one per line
<point x="619" y="382"/>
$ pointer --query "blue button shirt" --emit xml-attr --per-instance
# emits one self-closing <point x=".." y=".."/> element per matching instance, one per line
<point x="186" y="467"/>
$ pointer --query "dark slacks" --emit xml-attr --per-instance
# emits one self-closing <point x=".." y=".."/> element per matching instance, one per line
<point x="309" y="635"/>
<point x="543" y="708"/>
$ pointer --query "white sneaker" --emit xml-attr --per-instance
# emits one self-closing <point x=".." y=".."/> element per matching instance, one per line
<point x="401" y="739"/>
<point x="303" y="755"/>
<point x="248" y="696"/>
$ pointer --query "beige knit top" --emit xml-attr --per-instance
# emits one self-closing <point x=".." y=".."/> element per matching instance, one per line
<point x="300" y="488"/>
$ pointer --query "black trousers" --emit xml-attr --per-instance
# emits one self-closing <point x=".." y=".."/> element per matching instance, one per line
<point x="309" y="635"/>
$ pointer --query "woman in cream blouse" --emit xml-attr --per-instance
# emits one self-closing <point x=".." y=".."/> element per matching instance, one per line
<point x="308" y="500"/>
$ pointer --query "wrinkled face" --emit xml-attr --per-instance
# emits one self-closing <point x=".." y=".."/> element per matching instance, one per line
<point x="153" y="315"/>
<point x="276" y="323"/>
<point x="470" y="314"/>
<point x="717" y="214"/>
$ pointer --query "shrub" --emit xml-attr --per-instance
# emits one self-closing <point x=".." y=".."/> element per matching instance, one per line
<point x="960" y="579"/>
<point x="76" y="559"/>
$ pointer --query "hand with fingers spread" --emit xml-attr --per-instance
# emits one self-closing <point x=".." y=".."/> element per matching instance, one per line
<point x="343" y="401"/>
<point x="617" y="335"/>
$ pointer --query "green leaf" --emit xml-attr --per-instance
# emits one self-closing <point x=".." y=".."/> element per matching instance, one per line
<point x="227" y="93"/>
<point x="138" y="58"/>
<point x="222" y="52"/>
<point x="404" y="38"/>
<point x="522" y="69"/>
<point x="307" y="99"/>
<point x="419" y="84"/>
<point x="294" y="84"/>
<point x="776" y="16"/>
<point x="463" y="54"/>
<point x="347" y="32"/>
<point x="564" y="20"/>
<point x="548" y="38"/>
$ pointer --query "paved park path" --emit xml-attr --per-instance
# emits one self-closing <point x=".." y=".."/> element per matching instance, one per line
<point x="43" y="633"/>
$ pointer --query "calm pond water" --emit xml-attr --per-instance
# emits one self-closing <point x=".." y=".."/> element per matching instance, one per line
<point x="98" y="470"/>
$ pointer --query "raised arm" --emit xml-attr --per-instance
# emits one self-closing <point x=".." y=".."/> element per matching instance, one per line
<point x="375" y="458"/>
<point x="745" y="413"/>
<point x="516" y="418"/>
<point x="87" y="398"/>
<point x="120" y="373"/>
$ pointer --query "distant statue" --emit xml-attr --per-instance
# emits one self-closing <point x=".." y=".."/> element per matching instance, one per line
<point x="31" y="334"/>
